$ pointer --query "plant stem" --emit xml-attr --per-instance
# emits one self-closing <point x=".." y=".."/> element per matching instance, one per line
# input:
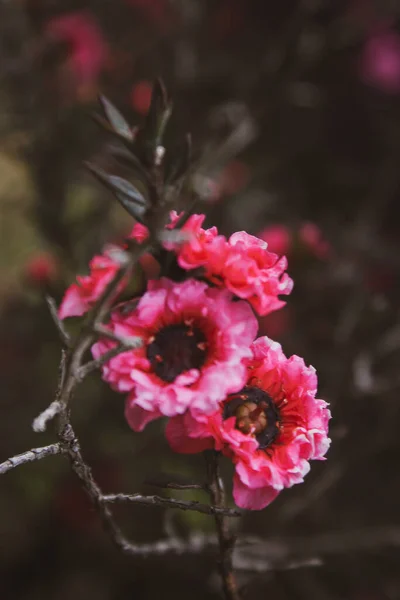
<point x="226" y="539"/>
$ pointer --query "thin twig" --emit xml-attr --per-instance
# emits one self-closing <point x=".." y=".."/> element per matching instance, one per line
<point x="64" y="335"/>
<point x="84" y="370"/>
<point x="29" y="456"/>
<point x="130" y="343"/>
<point x="40" y="423"/>
<point x="73" y="358"/>
<point x="70" y="445"/>
<point x="171" y="485"/>
<point x="172" y="503"/>
<point x="226" y="540"/>
<point x="283" y="550"/>
<point x="197" y="543"/>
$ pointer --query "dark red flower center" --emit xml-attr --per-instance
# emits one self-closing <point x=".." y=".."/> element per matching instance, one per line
<point x="256" y="414"/>
<point x="176" y="349"/>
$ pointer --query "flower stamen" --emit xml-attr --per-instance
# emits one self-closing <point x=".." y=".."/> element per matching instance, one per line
<point x="175" y="349"/>
<point x="256" y="414"/>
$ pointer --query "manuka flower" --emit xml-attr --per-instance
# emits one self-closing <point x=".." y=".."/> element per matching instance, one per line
<point x="270" y="429"/>
<point x="241" y="263"/>
<point x="81" y="296"/>
<point x="194" y="339"/>
<point x="87" y="51"/>
<point x="309" y="239"/>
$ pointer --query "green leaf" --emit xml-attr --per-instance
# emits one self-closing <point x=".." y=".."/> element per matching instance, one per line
<point x="127" y="194"/>
<point x="128" y="159"/>
<point x="151" y="135"/>
<point x="118" y="122"/>
<point x="159" y="105"/>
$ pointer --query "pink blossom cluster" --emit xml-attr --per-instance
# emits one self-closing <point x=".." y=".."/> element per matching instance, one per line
<point x="379" y="63"/>
<point x="308" y="238"/>
<point x="87" y="55"/>
<point x="199" y="363"/>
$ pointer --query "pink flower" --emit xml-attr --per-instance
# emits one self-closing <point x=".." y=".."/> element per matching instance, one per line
<point x="242" y="264"/>
<point x="281" y="239"/>
<point x="312" y="238"/>
<point x="270" y="429"/>
<point x="80" y="297"/>
<point x="194" y="339"/>
<point x="278" y="237"/>
<point x="140" y="96"/>
<point x="89" y="50"/>
<point x="380" y="61"/>
<point x="41" y="269"/>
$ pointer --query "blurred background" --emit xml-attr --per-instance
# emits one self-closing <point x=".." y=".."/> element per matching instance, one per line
<point x="294" y="107"/>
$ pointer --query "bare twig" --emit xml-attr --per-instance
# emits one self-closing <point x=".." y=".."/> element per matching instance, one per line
<point x="99" y="362"/>
<point x="172" y="503"/>
<point x="129" y="343"/>
<point x="171" y="485"/>
<point x="72" y="370"/>
<point x="64" y="335"/>
<point x="283" y="550"/>
<point x="29" y="456"/>
<point x="70" y="445"/>
<point x="242" y="562"/>
<point x="197" y="543"/>
<point x="40" y="423"/>
<point x="226" y="540"/>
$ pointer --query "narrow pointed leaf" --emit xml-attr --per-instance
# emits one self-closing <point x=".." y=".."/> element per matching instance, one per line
<point x="159" y="103"/>
<point x="136" y="211"/>
<point x="118" y="122"/>
<point x="151" y="135"/>
<point x="127" y="194"/>
<point x="126" y="188"/>
<point x="129" y="159"/>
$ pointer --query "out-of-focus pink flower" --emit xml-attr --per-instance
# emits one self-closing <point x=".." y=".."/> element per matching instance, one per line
<point x="88" y="48"/>
<point x="282" y="240"/>
<point x="80" y="296"/>
<point x="278" y="238"/>
<point x="193" y="341"/>
<point x="380" y="61"/>
<point x="41" y="269"/>
<point x="311" y="236"/>
<point x="141" y="96"/>
<point x="270" y="429"/>
<point x="242" y="264"/>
